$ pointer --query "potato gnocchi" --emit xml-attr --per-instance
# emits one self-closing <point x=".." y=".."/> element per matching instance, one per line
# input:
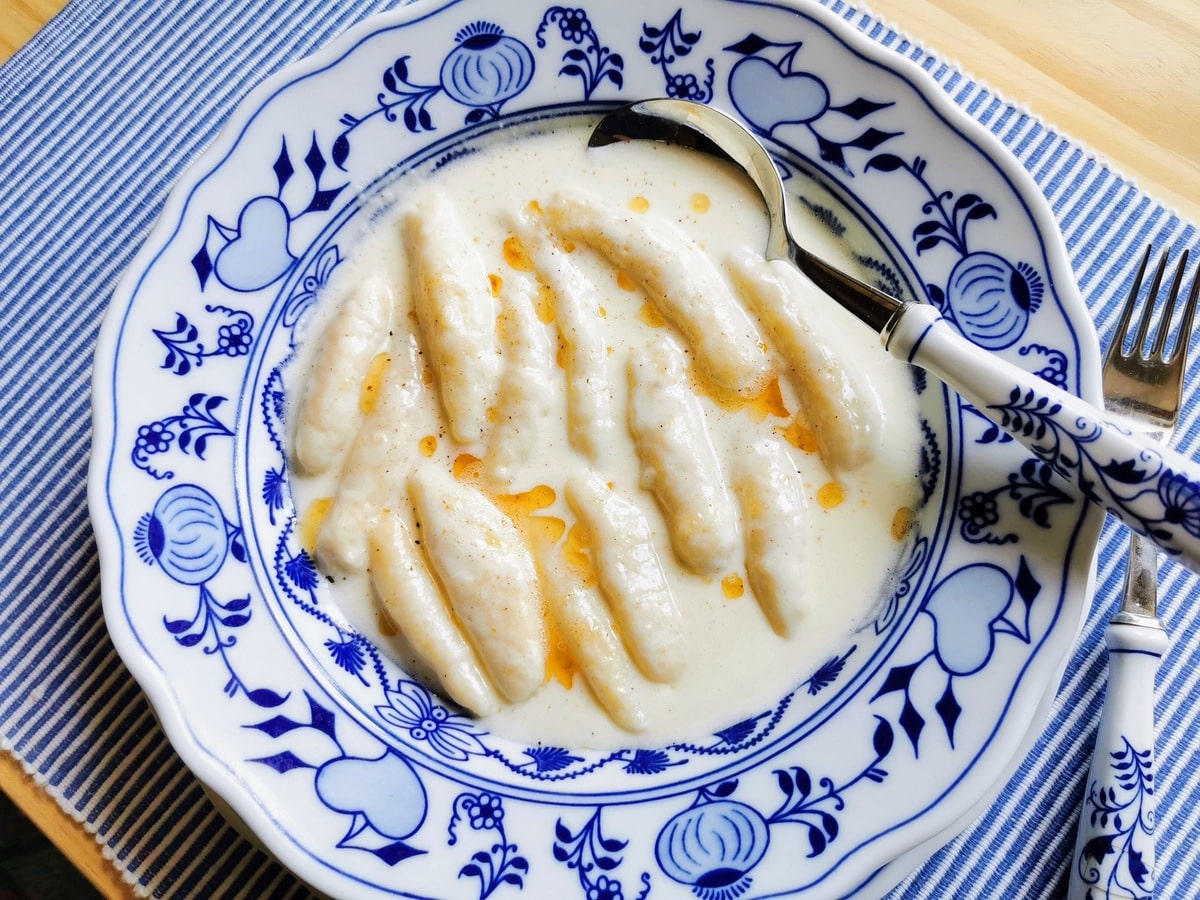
<point x="560" y="452"/>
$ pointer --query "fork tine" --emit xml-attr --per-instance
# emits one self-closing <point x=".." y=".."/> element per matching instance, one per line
<point x="1164" y="327"/>
<point x="1185" y="327"/>
<point x="1117" y="347"/>
<point x="1139" y="342"/>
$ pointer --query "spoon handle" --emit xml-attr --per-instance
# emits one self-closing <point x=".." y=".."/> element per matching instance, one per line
<point x="1152" y="489"/>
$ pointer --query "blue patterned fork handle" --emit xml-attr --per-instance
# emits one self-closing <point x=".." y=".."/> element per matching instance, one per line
<point x="1114" y="849"/>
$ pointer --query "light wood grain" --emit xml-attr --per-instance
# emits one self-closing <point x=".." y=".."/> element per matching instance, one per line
<point x="67" y="834"/>
<point x="1120" y="76"/>
<point x="21" y="19"/>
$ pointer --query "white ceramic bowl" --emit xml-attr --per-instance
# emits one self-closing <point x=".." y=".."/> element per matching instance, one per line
<point x="353" y="774"/>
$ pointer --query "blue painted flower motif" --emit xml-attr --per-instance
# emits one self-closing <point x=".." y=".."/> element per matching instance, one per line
<point x="990" y="299"/>
<point x="588" y="59"/>
<point x="154" y="438"/>
<point x="589" y="852"/>
<point x="186" y="534"/>
<point x="188" y="432"/>
<point x="233" y="340"/>
<point x="605" y="888"/>
<point x="187" y="346"/>
<point x="1181" y="501"/>
<point x="484" y="811"/>
<point x="978" y="511"/>
<point x="499" y="864"/>
<point x="486" y="68"/>
<point x="573" y="25"/>
<point x="666" y="46"/>
<point x="412" y="708"/>
<point x="685" y="86"/>
<point x="712" y="846"/>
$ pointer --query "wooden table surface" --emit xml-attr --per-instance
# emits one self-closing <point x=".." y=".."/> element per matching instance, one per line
<point x="1121" y="77"/>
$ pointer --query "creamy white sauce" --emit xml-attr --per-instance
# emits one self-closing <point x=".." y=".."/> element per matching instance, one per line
<point x="735" y="663"/>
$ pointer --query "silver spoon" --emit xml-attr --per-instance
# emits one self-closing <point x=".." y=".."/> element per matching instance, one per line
<point x="1152" y="489"/>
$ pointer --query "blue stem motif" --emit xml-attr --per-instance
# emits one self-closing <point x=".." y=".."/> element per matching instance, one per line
<point x="665" y="45"/>
<point x="500" y="864"/>
<point x="185" y="349"/>
<point x="591" y="855"/>
<point x="401" y="94"/>
<point x="188" y="431"/>
<point x="812" y="806"/>
<point x="1131" y="816"/>
<point x="588" y="60"/>
<point x="947" y="222"/>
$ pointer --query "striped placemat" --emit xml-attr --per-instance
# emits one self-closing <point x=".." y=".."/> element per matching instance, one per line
<point x="93" y="139"/>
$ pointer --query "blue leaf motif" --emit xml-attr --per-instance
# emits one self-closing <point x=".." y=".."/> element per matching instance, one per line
<point x="283" y="762"/>
<point x="551" y="759"/>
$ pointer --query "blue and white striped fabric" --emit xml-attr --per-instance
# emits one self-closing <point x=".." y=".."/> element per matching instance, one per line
<point x="93" y="138"/>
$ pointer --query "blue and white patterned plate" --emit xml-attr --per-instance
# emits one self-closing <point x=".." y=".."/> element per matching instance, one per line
<point x="355" y="776"/>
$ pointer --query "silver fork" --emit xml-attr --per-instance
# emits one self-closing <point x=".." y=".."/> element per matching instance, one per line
<point x="1114" y="848"/>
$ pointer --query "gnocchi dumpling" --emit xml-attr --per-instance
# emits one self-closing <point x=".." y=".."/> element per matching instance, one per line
<point x="631" y="577"/>
<point x="838" y="400"/>
<point x="680" y="279"/>
<point x="376" y="468"/>
<point x="330" y="412"/>
<point x="773" y="508"/>
<point x="489" y="578"/>
<point x="584" y="624"/>
<point x="452" y="298"/>
<point x="526" y="386"/>
<point x="413" y="602"/>
<point x="590" y="421"/>
<point x="678" y="462"/>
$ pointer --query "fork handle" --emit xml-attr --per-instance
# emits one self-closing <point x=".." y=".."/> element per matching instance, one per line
<point x="1114" y="847"/>
<point x="1152" y="489"/>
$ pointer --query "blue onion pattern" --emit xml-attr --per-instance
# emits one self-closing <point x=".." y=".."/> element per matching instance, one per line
<point x="487" y="67"/>
<point x="1181" y="501"/>
<point x="991" y="299"/>
<point x="712" y="847"/>
<point x="186" y="534"/>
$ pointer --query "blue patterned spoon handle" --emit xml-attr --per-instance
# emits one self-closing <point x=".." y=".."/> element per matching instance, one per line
<point x="1151" y="488"/>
